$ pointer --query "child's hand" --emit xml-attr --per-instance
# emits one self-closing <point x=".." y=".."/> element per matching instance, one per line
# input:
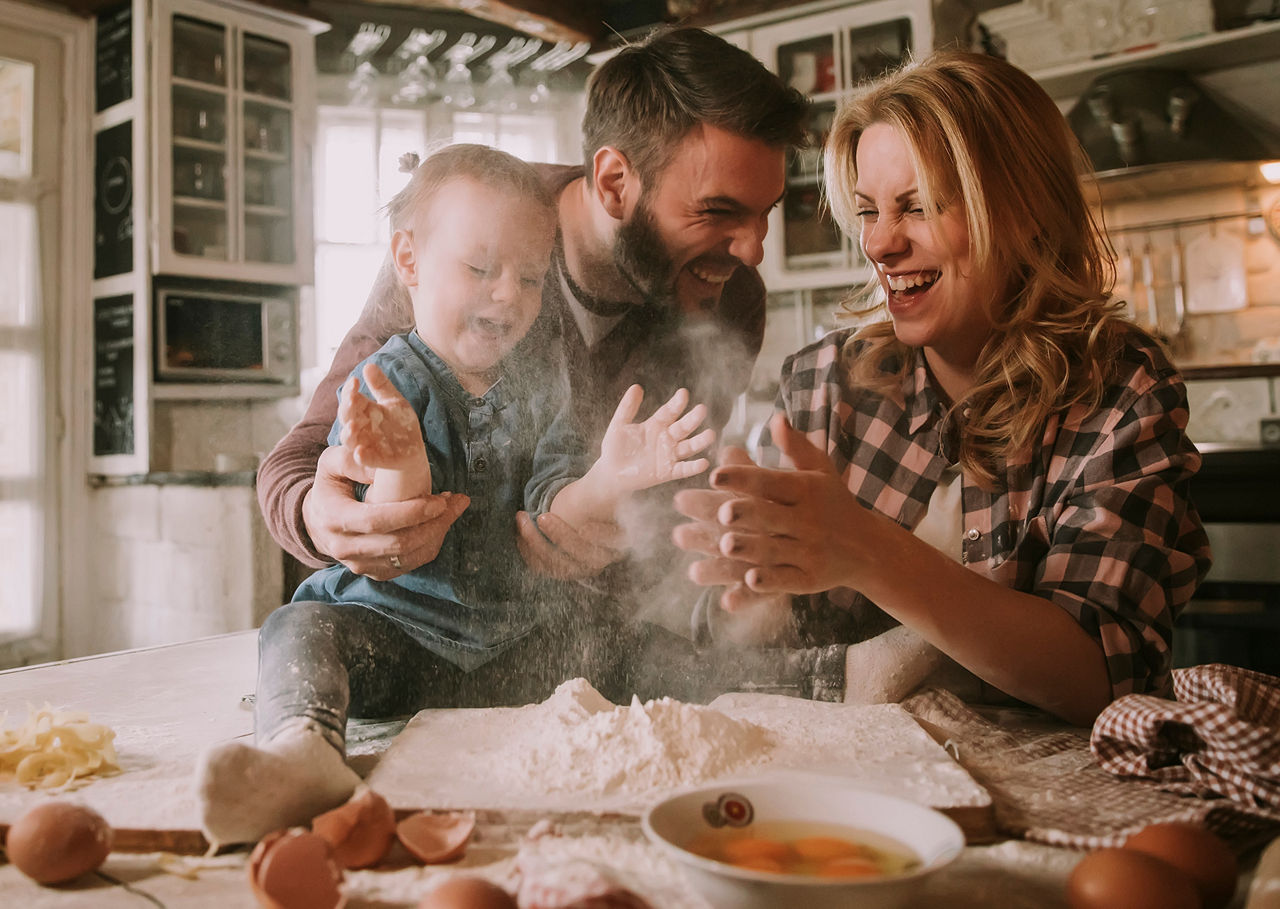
<point x="640" y="455"/>
<point x="384" y="433"/>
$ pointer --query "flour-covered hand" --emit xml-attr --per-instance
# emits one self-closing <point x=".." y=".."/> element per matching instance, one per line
<point x="381" y="433"/>
<point x="799" y="530"/>
<point x="662" y="448"/>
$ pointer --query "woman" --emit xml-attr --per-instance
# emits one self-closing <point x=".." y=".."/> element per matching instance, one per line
<point x="1001" y="465"/>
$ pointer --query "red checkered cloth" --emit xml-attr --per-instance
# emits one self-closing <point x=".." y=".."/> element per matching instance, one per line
<point x="1221" y="737"/>
<point x="1046" y="785"/>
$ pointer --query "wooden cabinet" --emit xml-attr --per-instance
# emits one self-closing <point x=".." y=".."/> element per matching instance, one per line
<point x="233" y="120"/>
<point x="203" y="124"/>
<point x="826" y="54"/>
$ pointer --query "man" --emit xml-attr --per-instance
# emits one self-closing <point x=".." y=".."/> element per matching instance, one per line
<point x="653" y="279"/>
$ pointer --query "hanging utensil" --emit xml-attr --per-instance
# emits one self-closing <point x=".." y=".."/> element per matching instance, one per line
<point x="1215" y="272"/>
<point x="1177" y="274"/>
<point x="1149" y="285"/>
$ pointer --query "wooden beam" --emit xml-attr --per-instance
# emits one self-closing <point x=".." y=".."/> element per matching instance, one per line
<point x="550" y="20"/>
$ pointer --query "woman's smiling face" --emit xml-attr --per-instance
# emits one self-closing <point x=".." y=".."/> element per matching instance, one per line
<point x="922" y="258"/>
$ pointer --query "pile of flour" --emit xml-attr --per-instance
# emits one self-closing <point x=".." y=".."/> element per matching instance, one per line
<point x="580" y="741"/>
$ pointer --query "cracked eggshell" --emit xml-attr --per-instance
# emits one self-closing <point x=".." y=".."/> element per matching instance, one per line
<point x="57" y="841"/>
<point x="360" y="831"/>
<point x="295" y="869"/>
<point x="436" y="838"/>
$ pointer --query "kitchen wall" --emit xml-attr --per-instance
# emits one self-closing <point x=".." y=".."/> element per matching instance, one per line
<point x="1224" y="410"/>
<point x="183" y="552"/>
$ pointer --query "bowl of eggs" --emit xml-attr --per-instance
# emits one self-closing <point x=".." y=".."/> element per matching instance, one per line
<point x="801" y="839"/>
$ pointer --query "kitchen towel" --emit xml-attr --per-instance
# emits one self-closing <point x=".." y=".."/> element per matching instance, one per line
<point x="1220" y="737"/>
<point x="1047" y="787"/>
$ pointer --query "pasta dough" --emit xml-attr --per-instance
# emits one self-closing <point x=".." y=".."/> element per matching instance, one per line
<point x="56" y="748"/>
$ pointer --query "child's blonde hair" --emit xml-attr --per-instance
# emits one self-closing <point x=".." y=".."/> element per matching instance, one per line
<point x="479" y="162"/>
<point x="411" y="206"/>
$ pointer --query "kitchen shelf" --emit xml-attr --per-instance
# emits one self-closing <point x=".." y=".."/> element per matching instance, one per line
<point x="199" y="145"/>
<point x="1203" y="53"/>
<point x="197" y="202"/>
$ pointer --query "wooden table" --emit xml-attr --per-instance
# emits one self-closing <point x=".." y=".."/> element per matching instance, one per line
<point x="168" y="703"/>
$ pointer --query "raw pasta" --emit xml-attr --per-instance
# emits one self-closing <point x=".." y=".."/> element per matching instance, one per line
<point x="56" y="748"/>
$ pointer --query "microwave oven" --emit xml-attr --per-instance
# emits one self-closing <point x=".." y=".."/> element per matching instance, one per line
<point x="226" y="337"/>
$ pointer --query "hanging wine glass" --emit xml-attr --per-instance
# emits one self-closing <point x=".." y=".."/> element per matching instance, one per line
<point x="418" y="77"/>
<point x="500" y="91"/>
<point x="362" y="87"/>
<point x="560" y="56"/>
<point x="457" y="89"/>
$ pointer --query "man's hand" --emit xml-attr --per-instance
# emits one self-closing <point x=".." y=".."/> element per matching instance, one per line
<point x="556" y="549"/>
<point x="381" y="540"/>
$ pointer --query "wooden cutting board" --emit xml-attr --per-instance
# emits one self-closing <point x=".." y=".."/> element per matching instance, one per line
<point x="168" y="703"/>
<point x="455" y="759"/>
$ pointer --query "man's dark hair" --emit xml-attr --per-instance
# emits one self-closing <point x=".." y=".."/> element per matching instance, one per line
<point x="646" y="98"/>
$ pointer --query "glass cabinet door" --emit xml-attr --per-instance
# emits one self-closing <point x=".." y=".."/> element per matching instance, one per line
<point x="810" y="237"/>
<point x="200" y="101"/>
<point x="827" y="57"/>
<point x="875" y="49"/>
<point x="267" y="117"/>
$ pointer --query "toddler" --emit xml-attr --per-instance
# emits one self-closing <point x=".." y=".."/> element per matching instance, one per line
<point x="469" y="407"/>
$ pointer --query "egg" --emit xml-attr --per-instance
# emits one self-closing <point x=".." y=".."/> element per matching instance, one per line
<point x="57" y="841"/>
<point x="1204" y="858"/>
<point x="434" y="838"/>
<point x="1128" y="879"/>
<point x="295" y="869"/>
<point x="467" y="893"/>
<point x="360" y="831"/>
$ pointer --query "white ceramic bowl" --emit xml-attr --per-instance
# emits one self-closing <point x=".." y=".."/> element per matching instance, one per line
<point x="806" y="797"/>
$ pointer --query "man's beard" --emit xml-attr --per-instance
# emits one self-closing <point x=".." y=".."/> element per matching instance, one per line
<point x="642" y="258"/>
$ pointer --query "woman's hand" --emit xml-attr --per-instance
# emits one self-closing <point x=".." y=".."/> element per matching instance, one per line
<point x="758" y="618"/>
<point x="796" y="531"/>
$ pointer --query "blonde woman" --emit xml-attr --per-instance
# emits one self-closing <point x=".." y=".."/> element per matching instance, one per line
<point x="1000" y="465"/>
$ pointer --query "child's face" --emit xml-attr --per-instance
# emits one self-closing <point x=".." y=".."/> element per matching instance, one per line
<point x="479" y="258"/>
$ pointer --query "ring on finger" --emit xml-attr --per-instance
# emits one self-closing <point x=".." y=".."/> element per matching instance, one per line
<point x="395" y="562"/>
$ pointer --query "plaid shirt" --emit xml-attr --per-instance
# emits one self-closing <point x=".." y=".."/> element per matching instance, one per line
<point x="1096" y="519"/>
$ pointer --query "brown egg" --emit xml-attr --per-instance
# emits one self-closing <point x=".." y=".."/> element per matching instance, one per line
<point x="295" y="869"/>
<point x="1127" y="879"/>
<point x="58" y="841"/>
<point x="360" y="831"/>
<point x="467" y="893"/>
<point x="435" y="838"/>
<point x="1204" y="858"/>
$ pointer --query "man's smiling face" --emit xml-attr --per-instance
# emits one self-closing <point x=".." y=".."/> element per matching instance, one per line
<point x="704" y="217"/>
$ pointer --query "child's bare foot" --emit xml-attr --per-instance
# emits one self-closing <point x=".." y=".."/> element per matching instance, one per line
<point x="247" y="792"/>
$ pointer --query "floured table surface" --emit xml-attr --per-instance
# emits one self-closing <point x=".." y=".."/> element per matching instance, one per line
<point x="166" y="704"/>
<point x="480" y="759"/>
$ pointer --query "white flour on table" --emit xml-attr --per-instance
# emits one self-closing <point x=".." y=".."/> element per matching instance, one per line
<point x="584" y="743"/>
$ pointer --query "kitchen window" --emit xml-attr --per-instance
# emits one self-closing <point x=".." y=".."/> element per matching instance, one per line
<point x="358" y="151"/>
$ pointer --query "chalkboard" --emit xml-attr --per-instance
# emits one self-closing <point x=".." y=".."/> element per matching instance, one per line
<point x="113" y="201"/>
<point x="113" y="375"/>
<point x="113" y="81"/>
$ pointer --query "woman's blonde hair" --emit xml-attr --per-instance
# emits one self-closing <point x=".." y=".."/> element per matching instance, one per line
<point x="982" y="134"/>
<point x="411" y="206"/>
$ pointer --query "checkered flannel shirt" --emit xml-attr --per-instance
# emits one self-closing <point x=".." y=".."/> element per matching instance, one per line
<point x="1096" y="518"/>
